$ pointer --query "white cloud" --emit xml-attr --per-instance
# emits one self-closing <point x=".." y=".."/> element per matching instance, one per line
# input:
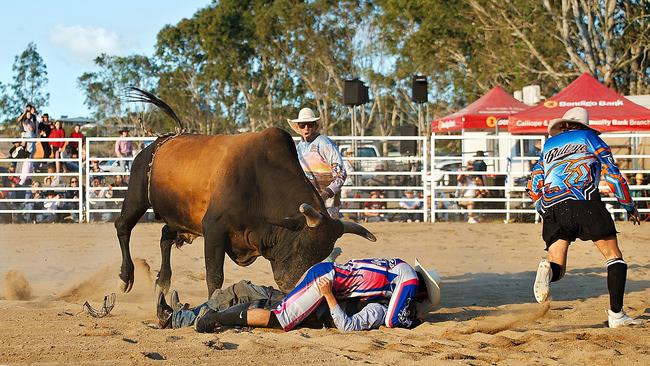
<point x="85" y="43"/>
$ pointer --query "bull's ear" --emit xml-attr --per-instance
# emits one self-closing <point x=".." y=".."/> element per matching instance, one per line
<point x="293" y="223"/>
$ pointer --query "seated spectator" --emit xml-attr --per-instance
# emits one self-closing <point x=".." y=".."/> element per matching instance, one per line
<point x="52" y="206"/>
<point x="35" y="194"/>
<point x="72" y="194"/>
<point x="119" y="182"/>
<point x="98" y="192"/>
<point x="409" y="202"/>
<point x="374" y="205"/>
<point x="94" y="168"/>
<point x="469" y="190"/>
<point x="55" y="180"/>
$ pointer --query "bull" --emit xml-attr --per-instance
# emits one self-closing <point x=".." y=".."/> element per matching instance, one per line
<point x="246" y="194"/>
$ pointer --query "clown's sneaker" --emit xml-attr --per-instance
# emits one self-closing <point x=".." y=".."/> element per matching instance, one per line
<point x="542" y="287"/>
<point x="620" y="319"/>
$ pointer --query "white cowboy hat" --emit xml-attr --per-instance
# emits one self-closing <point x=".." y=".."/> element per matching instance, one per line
<point x="306" y="115"/>
<point x="432" y="280"/>
<point x="575" y="115"/>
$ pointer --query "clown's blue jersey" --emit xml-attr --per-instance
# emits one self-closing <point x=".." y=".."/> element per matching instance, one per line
<point x="569" y="168"/>
<point x="371" y="279"/>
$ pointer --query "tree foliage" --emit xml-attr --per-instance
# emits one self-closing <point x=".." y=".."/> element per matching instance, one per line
<point x="249" y="64"/>
<point x="28" y="83"/>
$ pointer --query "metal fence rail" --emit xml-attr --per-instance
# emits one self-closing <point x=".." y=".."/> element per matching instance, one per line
<point x="507" y="173"/>
<point x="394" y="178"/>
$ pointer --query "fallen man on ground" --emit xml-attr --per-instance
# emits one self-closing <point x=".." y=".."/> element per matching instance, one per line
<point x="361" y="294"/>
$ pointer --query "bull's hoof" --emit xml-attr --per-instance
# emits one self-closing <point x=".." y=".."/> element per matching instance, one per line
<point x="126" y="286"/>
<point x="161" y="288"/>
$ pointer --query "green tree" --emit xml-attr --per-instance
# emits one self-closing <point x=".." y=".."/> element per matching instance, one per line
<point x="29" y="80"/>
<point x="104" y="89"/>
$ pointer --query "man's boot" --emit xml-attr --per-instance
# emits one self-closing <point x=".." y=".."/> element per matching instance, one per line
<point x="164" y="312"/>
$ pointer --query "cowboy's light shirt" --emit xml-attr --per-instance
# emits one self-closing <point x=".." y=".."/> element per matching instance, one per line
<point x="322" y="163"/>
<point x="569" y="168"/>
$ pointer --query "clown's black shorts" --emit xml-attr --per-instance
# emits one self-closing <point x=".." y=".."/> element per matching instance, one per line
<point x="568" y="220"/>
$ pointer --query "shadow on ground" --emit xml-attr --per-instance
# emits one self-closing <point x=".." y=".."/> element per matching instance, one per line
<point x="491" y="289"/>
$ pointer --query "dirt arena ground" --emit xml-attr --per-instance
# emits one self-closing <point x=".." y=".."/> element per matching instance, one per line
<point x="488" y="315"/>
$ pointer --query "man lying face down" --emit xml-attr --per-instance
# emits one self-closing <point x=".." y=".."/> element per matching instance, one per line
<point x="361" y="294"/>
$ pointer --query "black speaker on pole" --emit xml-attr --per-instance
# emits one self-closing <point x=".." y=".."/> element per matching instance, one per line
<point x="408" y="147"/>
<point x="419" y="92"/>
<point x="354" y="92"/>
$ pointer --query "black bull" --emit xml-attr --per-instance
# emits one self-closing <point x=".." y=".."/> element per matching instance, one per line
<point x="245" y="194"/>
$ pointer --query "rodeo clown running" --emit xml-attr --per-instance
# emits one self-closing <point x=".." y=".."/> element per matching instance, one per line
<point x="564" y="186"/>
<point x="396" y="294"/>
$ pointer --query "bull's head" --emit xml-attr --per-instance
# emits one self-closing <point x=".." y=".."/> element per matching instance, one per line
<point x="315" y="235"/>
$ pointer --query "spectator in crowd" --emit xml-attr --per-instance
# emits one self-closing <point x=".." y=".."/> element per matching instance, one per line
<point x="470" y="189"/>
<point x="124" y="149"/>
<point x="409" y="202"/>
<point x="479" y="165"/>
<point x="35" y="194"/>
<point x="18" y="151"/>
<point x="74" y="146"/>
<point x="72" y="193"/>
<point x="98" y="192"/>
<point x="642" y="195"/>
<point x="320" y="159"/>
<point x="28" y="123"/>
<point x="44" y="130"/>
<point x="14" y="195"/>
<point x="374" y="205"/>
<point x="34" y="114"/>
<point x="55" y="180"/>
<point x="94" y="169"/>
<point x="51" y="206"/>
<point x="57" y="146"/>
<point x="119" y="182"/>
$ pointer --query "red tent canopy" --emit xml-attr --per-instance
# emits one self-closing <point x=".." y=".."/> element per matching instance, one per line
<point x="608" y="110"/>
<point x="484" y="114"/>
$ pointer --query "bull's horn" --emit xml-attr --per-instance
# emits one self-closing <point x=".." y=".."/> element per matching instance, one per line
<point x="354" y="228"/>
<point x="313" y="217"/>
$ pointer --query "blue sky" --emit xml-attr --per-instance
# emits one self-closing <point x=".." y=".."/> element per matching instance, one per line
<point x="69" y="34"/>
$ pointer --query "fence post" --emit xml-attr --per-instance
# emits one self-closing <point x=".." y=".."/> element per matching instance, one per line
<point x="80" y="179"/>
<point x="433" y="184"/>
<point x="425" y="177"/>
<point x="87" y="194"/>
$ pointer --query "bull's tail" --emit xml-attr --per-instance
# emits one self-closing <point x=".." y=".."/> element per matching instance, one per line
<point x="138" y="95"/>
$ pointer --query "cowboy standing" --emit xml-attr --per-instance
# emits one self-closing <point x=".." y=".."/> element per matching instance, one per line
<point x="320" y="159"/>
<point x="564" y="186"/>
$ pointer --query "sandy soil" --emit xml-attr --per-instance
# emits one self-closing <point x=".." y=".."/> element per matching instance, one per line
<point x="488" y="314"/>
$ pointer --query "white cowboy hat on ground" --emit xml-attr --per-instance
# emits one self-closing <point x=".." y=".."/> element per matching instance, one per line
<point x="574" y="115"/>
<point x="306" y="115"/>
<point x="432" y="280"/>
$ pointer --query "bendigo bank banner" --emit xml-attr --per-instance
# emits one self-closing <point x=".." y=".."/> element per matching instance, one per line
<point x="608" y="110"/>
